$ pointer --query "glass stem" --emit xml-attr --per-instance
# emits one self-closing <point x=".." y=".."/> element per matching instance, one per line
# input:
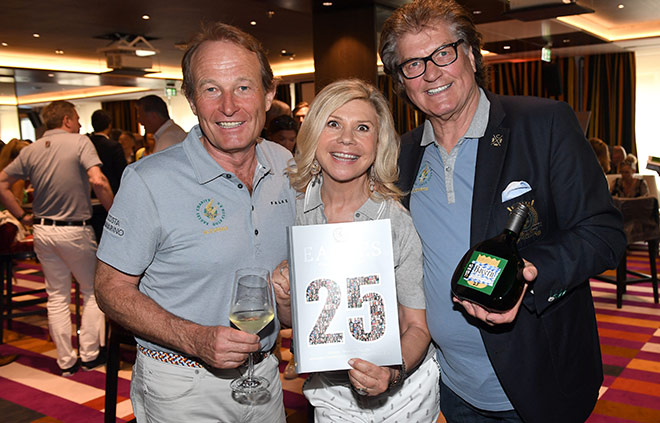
<point x="250" y="367"/>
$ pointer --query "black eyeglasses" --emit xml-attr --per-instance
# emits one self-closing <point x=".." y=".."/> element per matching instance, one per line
<point x="442" y="56"/>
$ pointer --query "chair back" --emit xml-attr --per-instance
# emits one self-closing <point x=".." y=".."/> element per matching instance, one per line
<point x="8" y="233"/>
<point x="640" y="218"/>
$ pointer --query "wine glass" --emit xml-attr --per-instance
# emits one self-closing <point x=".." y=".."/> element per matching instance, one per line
<point x="251" y="310"/>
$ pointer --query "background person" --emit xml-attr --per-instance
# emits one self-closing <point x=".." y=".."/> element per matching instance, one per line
<point x="61" y="166"/>
<point x="476" y="156"/>
<point x="300" y="111"/>
<point x="346" y="168"/>
<point x="7" y="155"/>
<point x="602" y="153"/>
<point x="127" y="141"/>
<point x="283" y="130"/>
<point x="183" y="222"/>
<point x="627" y="185"/>
<point x="618" y="156"/>
<point x="154" y="116"/>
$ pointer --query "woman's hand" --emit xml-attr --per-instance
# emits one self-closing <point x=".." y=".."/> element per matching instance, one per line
<point x="367" y="378"/>
<point x="282" y="292"/>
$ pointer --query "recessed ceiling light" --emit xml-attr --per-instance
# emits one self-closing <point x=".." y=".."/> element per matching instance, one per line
<point x="283" y="51"/>
<point x="327" y="3"/>
<point x="291" y="58"/>
<point x="566" y="40"/>
<point x="51" y="75"/>
<point x="476" y="12"/>
<point x="5" y="44"/>
<point x="253" y="23"/>
<point x="146" y="17"/>
<point x="59" y="51"/>
<point x="506" y="47"/>
<point x="270" y="13"/>
<point x="35" y="35"/>
<point x="621" y="6"/>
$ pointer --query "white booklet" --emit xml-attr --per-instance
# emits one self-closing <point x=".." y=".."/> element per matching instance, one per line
<point x="343" y="295"/>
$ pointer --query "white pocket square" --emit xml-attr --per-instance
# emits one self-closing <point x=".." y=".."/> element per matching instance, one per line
<point x="515" y="189"/>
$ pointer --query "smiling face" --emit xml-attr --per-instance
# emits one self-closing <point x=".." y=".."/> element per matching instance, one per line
<point x="229" y="98"/>
<point x="443" y="93"/>
<point x="347" y="144"/>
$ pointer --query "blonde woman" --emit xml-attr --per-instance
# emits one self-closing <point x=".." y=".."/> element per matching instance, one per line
<point x="7" y="155"/>
<point x="345" y="170"/>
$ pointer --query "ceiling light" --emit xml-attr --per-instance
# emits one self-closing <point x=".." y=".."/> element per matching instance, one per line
<point x="35" y="35"/>
<point x="144" y="52"/>
<point x="283" y="51"/>
<point x="506" y="47"/>
<point x="270" y="13"/>
<point x="476" y="12"/>
<point x="5" y="44"/>
<point x="51" y="75"/>
<point x="139" y="46"/>
<point x="327" y="3"/>
<point x="621" y="6"/>
<point x="59" y="51"/>
<point x="253" y="23"/>
<point x="146" y="17"/>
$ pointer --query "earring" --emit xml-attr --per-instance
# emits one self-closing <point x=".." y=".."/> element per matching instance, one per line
<point x="372" y="182"/>
<point x="316" y="172"/>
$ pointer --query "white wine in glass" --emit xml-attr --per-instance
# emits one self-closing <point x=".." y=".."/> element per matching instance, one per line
<point x="251" y="311"/>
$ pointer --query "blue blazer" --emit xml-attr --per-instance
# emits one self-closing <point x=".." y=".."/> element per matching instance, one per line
<point x="548" y="360"/>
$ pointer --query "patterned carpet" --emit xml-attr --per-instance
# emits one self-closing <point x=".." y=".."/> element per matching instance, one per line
<point x="31" y="389"/>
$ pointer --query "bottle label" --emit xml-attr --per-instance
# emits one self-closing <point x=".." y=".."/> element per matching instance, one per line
<point x="482" y="272"/>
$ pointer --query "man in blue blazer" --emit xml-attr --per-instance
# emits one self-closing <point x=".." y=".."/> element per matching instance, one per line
<point x="475" y="157"/>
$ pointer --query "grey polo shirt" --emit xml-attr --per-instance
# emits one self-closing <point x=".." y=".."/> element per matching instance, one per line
<point x="56" y="165"/>
<point x="186" y="225"/>
<point x="441" y="207"/>
<point x="407" y="249"/>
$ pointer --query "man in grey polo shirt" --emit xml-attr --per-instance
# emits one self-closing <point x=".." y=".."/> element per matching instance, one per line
<point x="61" y="166"/>
<point x="184" y="221"/>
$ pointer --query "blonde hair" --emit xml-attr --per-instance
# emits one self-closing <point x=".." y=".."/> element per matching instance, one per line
<point x="10" y="151"/>
<point x="384" y="171"/>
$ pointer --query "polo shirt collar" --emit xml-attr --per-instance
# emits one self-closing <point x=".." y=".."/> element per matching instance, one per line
<point x="477" y="127"/>
<point x="164" y="127"/>
<point x="206" y="169"/>
<point x="54" y="132"/>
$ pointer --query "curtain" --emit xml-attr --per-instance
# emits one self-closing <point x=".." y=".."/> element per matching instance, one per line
<point x="124" y="114"/>
<point x="603" y="84"/>
<point x="406" y="116"/>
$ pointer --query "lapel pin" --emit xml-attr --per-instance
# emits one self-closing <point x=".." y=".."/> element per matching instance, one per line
<point x="496" y="141"/>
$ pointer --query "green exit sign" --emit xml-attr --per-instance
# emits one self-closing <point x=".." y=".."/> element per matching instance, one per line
<point x="545" y="54"/>
<point x="170" y="91"/>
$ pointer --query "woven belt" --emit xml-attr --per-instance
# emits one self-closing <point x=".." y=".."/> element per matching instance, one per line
<point x="180" y="360"/>
<point x="45" y="221"/>
<point x="170" y="358"/>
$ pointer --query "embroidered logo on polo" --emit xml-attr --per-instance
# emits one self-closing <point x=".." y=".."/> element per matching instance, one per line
<point x="423" y="177"/>
<point x="210" y="212"/>
<point x="532" y="227"/>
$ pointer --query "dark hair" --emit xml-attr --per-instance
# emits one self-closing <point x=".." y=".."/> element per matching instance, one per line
<point x="282" y="123"/>
<point x="223" y="32"/>
<point x="114" y="134"/>
<point x="101" y="120"/>
<point x="415" y="17"/>
<point x="153" y="103"/>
